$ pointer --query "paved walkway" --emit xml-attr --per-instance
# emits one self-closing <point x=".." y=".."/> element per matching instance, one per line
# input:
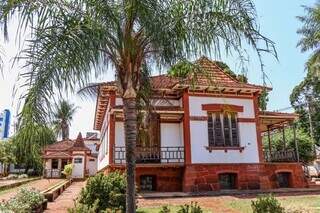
<point x="66" y="199"/>
<point x="40" y="185"/>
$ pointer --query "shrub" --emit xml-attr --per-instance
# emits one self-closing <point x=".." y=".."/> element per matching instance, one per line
<point x="192" y="208"/>
<point x="266" y="204"/>
<point x="67" y="171"/>
<point x="165" y="209"/>
<point x="80" y="208"/>
<point x="108" y="190"/>
<point x="12" y="177"/>
<point x="24" y="201"/>
<point x="23" y="176"/>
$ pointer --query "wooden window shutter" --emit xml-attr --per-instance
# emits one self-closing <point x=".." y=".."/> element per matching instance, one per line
<point x="219" y="141"/>
<point x="155" y="130"/>
<point x="210" y="130"/>
<point x="234" y="130"/>
<point x="226" y="130"/>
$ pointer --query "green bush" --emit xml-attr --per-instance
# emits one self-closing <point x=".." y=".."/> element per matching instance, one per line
<point x="165" y="209"/>
<point x="80" y="208"/>
<point x="24" y="201"/>
<point x="67" y="171"/>
<point x="23" y="176"/>
<point x="109" y="190"/>
<point x="192" y="208"/>
<point x="12" y="177"/>
<point x="266" y="204"/>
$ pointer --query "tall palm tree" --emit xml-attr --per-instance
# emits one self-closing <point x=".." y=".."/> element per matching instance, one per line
<point x="310" y="40"/>
<point x="62" y="117"/>
<point x="73" y="39"/>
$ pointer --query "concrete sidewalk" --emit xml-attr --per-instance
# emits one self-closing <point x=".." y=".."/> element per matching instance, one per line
<point x="66" y="199"/>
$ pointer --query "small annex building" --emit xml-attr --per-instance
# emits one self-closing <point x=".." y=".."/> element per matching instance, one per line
<point x="57" y="155"/>
<point x="206" y="136"/>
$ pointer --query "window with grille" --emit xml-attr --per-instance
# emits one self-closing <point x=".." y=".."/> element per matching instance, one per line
<point x="223" y="129"/>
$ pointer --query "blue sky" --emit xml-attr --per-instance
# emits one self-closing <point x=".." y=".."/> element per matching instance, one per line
<point x="278" y="22"/>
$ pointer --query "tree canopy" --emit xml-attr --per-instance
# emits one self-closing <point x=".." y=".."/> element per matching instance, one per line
<point x="62" y="117"/>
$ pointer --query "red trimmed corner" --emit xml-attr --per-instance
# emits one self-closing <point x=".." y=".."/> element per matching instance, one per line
<point x="222" y="108"/>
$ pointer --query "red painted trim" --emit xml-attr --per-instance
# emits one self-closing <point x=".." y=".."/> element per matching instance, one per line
<point x="186" y="127"/>
<point x="222" y="107"/>
<point x="259" y="137"/>
<point x="220" y="95"/>
<point x="112" y="128"/>
<point x="198" y="118"/>
<point x="246" y="120"/>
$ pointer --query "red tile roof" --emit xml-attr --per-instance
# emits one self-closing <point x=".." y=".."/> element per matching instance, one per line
<point x="53" y="155"/>
<point x="68" y="145"/>
<point x="212" y="75"/>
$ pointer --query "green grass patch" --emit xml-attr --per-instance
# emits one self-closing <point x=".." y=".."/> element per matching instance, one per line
<point x="173" y="209"/>
<point x="303" y="203"/>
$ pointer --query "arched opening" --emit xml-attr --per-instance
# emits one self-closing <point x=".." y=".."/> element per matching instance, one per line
<point x="148" y="183"/>
<point x="228" y="180"/>
<point x="284" y="179"/>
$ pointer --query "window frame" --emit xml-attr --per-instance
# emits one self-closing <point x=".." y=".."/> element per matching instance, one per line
<point x="212" y="129"/>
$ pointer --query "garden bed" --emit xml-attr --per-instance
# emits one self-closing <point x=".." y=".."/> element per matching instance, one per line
<point x="53" y="192"/>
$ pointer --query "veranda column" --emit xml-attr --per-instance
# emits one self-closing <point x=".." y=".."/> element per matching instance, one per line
<point x="269" y="143"/>
<point x="295" y="141"/>
<point x="283" y="137"/>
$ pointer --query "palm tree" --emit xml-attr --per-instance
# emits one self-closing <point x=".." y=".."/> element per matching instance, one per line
<point x="62" y="118"/>
<point x="310" y="36"/>
<point x="73" y="39"/>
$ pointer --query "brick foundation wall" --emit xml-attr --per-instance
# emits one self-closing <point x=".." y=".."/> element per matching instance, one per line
<point x="168" y="179"/>
<point x="205" y="177"/>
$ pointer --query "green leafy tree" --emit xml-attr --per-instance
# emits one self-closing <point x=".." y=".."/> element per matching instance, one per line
<point x="7" y="153"/>
<point x="28" y="142"/>
<point x="62" y="117"/>
<point x="305" y="99"/>
<point x="310" y="36"/>
<point x="304" y="142"/>
<point x="73" y="39"/>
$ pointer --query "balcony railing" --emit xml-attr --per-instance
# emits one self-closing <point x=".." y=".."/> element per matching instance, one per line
<point x="288" y="155"/>
<point x="52" y="173"/>
<point x="151" y="154"/>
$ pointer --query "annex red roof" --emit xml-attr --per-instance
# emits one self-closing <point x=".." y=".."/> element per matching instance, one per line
<point x="68" y="145"/>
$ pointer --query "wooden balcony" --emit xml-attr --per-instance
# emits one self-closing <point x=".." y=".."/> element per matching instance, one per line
<point x="288" y="155"/>
<point x="145" y="155"/>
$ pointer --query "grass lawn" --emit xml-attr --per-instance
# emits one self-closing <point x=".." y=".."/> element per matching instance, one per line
<point x="299" y="203"/>
<point x="173" y="209"/>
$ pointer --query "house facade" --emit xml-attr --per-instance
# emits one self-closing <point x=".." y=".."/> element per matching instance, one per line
<point x="55" y="156"/>
<point x="205" y="134"/>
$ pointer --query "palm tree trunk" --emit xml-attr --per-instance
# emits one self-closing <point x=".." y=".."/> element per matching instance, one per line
<point x="65" y="130"/>
<point x="130" y="129"/>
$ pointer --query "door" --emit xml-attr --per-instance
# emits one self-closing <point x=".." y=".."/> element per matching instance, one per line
<point x="148" y="148"/>
<point x="92" y="166"/>
<point x="78" y="168"/>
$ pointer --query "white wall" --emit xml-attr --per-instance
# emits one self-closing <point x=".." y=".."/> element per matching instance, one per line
<point x="103" y="159"/>
<point x="199" y="133"/>
<point x="119" y="137"/>
<point x="171" y="134"/>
